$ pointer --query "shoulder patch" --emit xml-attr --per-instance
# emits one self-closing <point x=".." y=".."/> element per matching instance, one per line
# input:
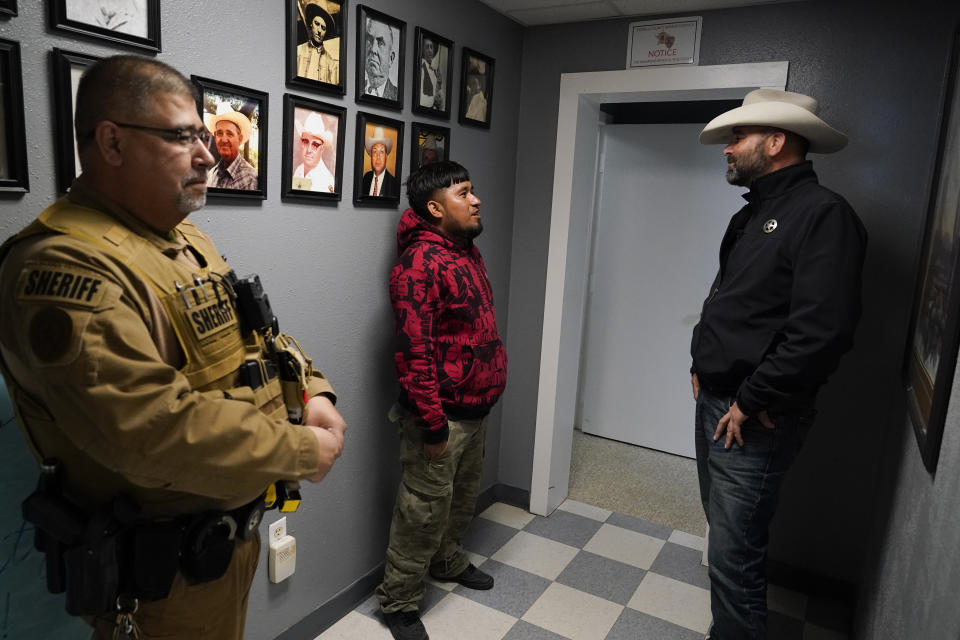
<point x="60" y="283"/>
<point x="51" y="334"/>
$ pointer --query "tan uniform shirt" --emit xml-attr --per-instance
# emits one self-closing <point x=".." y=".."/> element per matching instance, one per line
<point x="97" y="367"/>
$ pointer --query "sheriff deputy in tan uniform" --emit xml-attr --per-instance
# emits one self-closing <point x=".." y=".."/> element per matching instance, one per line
<point x="121" y="347"/>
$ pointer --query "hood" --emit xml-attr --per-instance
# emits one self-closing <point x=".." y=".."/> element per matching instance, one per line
<point x="413" y="228"/>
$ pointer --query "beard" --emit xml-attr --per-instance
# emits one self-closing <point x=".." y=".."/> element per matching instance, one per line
<point x="748" y="166"/>
<point x="187" y="201"/>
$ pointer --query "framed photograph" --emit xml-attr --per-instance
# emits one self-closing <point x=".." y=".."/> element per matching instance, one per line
<point x="378" y="160"/>
<point x="134" y="23"/>
<point x="237" y="118"/>
<point x="433" y="74"/>
<point x="8" y="7"/>
<point x="67" y="69"/>
<point x="13" y="139"/>
<point x="934" y="337"/>
<point x="317" y="45"/>
<point x="428" y="144"/>
<point x="476" y="88"/>
<point x="380" y="47"/>
<point x="313" y="134"/>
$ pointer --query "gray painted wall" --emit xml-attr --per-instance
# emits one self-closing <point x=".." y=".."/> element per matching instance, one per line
<point x="325" y="268"/>
<point x="880" y="83"/>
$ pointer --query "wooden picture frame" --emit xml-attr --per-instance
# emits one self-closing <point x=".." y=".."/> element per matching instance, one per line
<point x="317" y="45"/>
<point x="313" y="139"/>
<point x="934" y="337"/>
<point x="374" y="131"/>
<point x="476" y="88"/>
<point x="14" y="177"/>
<point x="428" y="144"/>
<point x="432" y="88"/>
<point x="136" y="25"/>
<point x="381" y="46"/>
<point x="237" y="117"/>
<point x="67" y="69"/>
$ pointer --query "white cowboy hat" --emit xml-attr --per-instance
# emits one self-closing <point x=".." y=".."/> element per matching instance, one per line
<point x="378" y="137"/>
<point x="226" y="112"/>
<point x="785" y="110"/>
<point x="313" y="126"/>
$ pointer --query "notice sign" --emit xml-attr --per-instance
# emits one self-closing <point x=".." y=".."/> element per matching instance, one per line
<point x="656" y="43"/>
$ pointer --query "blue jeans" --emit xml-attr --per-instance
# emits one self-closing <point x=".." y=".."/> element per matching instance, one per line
<point x="739" y="488"/>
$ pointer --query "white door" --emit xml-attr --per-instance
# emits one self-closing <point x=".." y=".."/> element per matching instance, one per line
<point x="662" y="208"/>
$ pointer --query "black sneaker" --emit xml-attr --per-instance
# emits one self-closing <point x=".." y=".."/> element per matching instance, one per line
<point x="406" y="625"/>
<point x="471" y="578"/>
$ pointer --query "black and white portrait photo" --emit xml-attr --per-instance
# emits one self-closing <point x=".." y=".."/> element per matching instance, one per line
<point x="476" y="88"/>
<point x="380" y="47"/>
<point x="433" y="74"/>
<point x="316" y="44"/>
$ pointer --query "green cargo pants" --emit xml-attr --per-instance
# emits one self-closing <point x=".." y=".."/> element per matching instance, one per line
<point x="435" y="504"/>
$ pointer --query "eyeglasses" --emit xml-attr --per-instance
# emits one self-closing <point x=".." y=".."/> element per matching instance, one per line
<point x="316" y="144"/>
<point x="185" y="136"/>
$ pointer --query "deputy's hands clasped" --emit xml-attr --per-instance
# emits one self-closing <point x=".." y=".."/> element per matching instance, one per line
<point x="328" y="427"/>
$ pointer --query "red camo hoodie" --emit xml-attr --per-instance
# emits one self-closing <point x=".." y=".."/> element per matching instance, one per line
<point x="450" y="360"/>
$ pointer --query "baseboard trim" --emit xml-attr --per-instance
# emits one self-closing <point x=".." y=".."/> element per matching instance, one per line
<point x="809" y="582"/>
<point x="324" y="616"/>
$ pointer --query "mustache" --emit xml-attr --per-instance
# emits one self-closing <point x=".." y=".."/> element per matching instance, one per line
<point x="194" y="178"/>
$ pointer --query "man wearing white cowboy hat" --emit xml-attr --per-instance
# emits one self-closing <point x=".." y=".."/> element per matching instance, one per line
<point x="779" y="315"/>
<point x="314" y="60"/>
<point x="231" y="130"/>
<point x="315" y="138"/>
<point x="379" y="181"/>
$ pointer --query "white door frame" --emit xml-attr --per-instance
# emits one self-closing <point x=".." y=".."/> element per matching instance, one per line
<point x="572" y="209"/>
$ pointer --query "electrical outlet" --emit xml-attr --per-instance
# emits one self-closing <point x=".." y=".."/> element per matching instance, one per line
<point x="278" y="529"/>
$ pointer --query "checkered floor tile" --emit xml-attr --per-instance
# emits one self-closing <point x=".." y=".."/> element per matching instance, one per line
<point x="584" y="573"/>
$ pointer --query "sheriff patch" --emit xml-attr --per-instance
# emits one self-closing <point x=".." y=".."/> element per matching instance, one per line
<point x="210" y="318"/>
<point x="61" y="283"/>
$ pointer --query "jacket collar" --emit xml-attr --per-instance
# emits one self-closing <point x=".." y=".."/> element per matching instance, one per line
<point x="779" y="182"/>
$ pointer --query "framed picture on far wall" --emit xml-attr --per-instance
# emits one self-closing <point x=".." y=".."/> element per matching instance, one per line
<point x="313" y="134"/>
<point x="13" y="140"/>
<point x="380" y="61"/>
<point x="476" y="88"/>
<point x="378" y="160"/>
<point x="428" y="144"/>
<point x="317" y="45"/>
<point x="237" y="119"/>
<point x="8" y="7"/>
<point x="68" y="66"/>
<point x="931" y="355"/>
<point x="134" y="23"/>
<point x="433" y="74"/>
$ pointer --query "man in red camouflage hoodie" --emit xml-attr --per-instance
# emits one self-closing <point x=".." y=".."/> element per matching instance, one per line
<point x="452" y="369"/>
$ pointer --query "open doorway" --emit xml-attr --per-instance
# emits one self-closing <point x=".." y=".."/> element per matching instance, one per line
<point x="578" y="159"/>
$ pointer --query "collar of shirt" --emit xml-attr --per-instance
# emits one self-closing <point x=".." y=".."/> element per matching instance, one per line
<point x="171" y="244"/>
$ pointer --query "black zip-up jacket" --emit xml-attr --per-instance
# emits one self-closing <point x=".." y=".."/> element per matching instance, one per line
<point x="784" y="305"/>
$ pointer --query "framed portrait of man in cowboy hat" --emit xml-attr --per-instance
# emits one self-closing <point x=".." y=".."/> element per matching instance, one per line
<point x="428" y="144"/>
<point x="236" y="118"/>
<point x="378" y="160"/>
<point x="317" y="44"/>
<point x="313" y="134"/>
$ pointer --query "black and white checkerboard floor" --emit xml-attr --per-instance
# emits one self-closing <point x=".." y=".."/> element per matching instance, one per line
<point x="584" y="573"/>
